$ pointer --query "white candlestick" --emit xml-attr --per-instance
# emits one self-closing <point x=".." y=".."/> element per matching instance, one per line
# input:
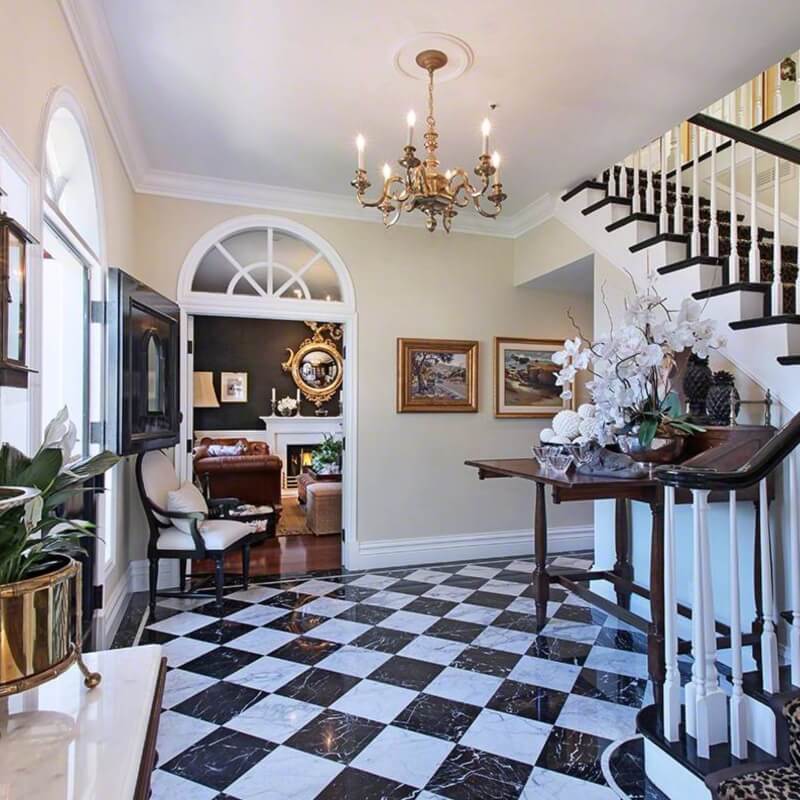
<point x="273" y="394"/>
<point x="411" y="120"/>
<point x="298" y="398"/>
<point x="486" y="129"/>
<point x="360" y="145"/>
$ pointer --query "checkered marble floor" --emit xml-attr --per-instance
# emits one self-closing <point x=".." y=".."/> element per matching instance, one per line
<point x="417" y="683"/>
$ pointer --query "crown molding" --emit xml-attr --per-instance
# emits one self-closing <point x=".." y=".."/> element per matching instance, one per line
<point x="533" y="215"/>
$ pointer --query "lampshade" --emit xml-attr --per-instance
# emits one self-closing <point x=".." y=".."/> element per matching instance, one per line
<point x="204" y="394"/>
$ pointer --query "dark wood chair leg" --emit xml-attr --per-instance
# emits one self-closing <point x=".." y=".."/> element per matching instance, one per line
<point x="181" y="574"/>
<point x="153" y="583"/>
<point x="541" y="580"/>
<point x="219" y="578"/>
<point x="245" y="566"/>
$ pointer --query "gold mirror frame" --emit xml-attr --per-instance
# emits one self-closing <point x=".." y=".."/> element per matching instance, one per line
<point x="317" y="342"/>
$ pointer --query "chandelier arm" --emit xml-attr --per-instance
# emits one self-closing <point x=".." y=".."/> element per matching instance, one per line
<point x="491" y="214"/>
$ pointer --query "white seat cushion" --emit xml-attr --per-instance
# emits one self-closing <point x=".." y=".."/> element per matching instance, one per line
<point x="217" y="534"/>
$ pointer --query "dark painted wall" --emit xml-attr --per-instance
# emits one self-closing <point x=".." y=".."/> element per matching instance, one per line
<point x="254" y="346"/>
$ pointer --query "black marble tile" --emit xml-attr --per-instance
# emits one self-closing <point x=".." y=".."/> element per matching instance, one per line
<point x="335" y="735"/>
<point x="609" y="686"/>
<point x="513" y="620"/>
<point x="490" y="599"/>
<point x="221" y="631"/>
<point x="436" y="716"/>
<point x="226" y="608"/>
<point x="296" y="622"/>
<point x="632" y="641"/>
<point x="431" y="606"/>
<point x="287" y="599"/>
<point x="220" y="703"/>
<point x="368" y="615"/>
<point x="406" y="672"/>
<point x="524" y="700"/>
<point x="560" y="650"/>
<point x="353" y="593"/>
<point x="574" y="753"/>
<point x="464" y="582"/>
<point x="131" y="621"/>
<point x="359" y="785"/>
<point x="468" y="774"/>
<point x="584" y="614"/>
<point x="410" y="587"/>
<point x="219" y="759"/>
<point x="220" y="663"/>
<point x="556" y="595"/>
<point x="384" y="639"/>
<point x="318" y="686"/>
<point x="161" y="613"/>
<point x="305" y="650"/>
<point x="626" y="765"/>
<point x="455" y="630"/>
<point x="490" y="662"/>
<point x="153" y="637"/>
<point x="513" y="576"/>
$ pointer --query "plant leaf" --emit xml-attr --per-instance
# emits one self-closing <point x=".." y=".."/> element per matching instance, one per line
<point x="647" y="431"/>
<point x="42" y="470"/>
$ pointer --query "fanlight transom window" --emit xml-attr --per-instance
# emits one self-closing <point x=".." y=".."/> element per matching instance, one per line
<point x="267" y="262"/>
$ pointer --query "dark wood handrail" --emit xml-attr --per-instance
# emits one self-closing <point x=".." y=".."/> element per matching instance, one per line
<point x="759" y="466"/>
<point x="745" y="136"/>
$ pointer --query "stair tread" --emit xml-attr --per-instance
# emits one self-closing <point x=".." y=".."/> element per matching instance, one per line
<point x="675" y="266"/>
<point x="760" y="322"/>
<point x="740" y="286"/>
<point x="789" y="361"/>
<point x="608" y="200"/>
<point x="639" y="216"/>
<point x="660" y="237"/>
<point x="589" y="184"/>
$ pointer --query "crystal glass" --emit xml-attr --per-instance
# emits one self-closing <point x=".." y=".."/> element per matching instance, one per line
<point x="542" y="455"/>
<point x="560" y="462"/>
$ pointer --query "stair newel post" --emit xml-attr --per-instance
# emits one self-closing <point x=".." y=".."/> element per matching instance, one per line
<point x="697" y="724"/>
<point x="713" y="228"/>
<point x="755" y="258"/>
<point x="777" y="267"/>
<point x="636" y="202"/>
<point x="733" y="258"/>
<point x="622" y="180"/>
<point x="769" y="639"/>
<point x="649" y="196"/>
<point x="794" y="566"/>
<point x="663" y="219"/>
<point x="695" y="244"/>
<point x="672" y="678"/>
<point x="677" y="222"/>
<point x="738" y="702"/>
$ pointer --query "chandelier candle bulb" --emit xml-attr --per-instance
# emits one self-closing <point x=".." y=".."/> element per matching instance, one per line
<point x="496" y="165"/>
<point x="411" y="120"/>
<point x="486" y="129"/>
<point x="360" y="143"/>
<point x="387" y="172"/>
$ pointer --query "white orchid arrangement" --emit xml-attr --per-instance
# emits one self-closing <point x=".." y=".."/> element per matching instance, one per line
<point x="631" y="368"/>
<point x="287" y="404"/>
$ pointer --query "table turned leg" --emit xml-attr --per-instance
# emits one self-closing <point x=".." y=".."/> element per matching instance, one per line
<point x="622" y="536"/>
<point x="655" y="635"/>
<point x="541" y="580"/>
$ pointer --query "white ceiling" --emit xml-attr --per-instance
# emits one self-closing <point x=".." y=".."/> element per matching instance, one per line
<point x="273" y="92"/>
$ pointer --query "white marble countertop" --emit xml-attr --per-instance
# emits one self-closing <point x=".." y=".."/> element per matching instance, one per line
<point x="62" y="741"/>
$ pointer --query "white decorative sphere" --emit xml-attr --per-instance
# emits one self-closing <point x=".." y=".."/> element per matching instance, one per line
<point x="565" y="424"/>
<point x="546" y="435"/>
<point x="587" y="427"/>
<point x="586" y="410"/>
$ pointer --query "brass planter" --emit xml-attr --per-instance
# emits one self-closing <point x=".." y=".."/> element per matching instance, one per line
<point x="40" y="628"/>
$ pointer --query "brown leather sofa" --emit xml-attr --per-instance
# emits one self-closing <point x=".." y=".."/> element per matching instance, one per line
<point x="254" y="476"/>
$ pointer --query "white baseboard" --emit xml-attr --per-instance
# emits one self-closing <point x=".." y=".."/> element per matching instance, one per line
<point x="139" y="575"/>
<point x="463" y="547"/>
<point x="107" y="619"/>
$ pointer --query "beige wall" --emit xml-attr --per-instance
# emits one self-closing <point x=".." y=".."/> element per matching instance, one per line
<point x="544" y="248"/>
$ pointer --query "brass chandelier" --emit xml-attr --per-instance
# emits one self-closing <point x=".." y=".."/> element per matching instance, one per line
<point x="422" y="186"/>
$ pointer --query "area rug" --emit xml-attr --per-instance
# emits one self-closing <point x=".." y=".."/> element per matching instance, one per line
<point x="293" y="519"/>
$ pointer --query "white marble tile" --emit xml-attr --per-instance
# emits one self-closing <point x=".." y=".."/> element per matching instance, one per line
<point x="342" y="631"/>
<point x="574" y="631"/>
<point x="522" y="566"/>
<point x="505" y="639"/>
<point x="455" y="594"/>
<point x="433" y="649"/>
<point x="622" y="662"/>
<point x="370" y="581"/>
<point x="180" y="685"/>
<point x="527" y="605"/>
<point x="255" y="594"/>
<point x="545" y="673"/>
<point x="430" y="796"/>
<point x="428" y="576"/>
<point x="166" y="786"/>
<point x="461" y="684"/>
<point x="379" y="701"/>
<point x="476" y="571"/>
<point x="261" y="640"/>
<point x="356" y="661"/>
<point x="285" y="774"/>
<point x="258" y="615"/>
<point x="609" y="720"/>
<point x="317" y="587"/>
<point x="574" y="600"/>
<point x="389" y="599"/>
<point x="408" y="621"/>
<point x="267" y="673"/>
<point x="544" y="784"/>
<point x="506" y="735"/>
<point x="481" y="615"/>
<point x="274" y="718"/>
<point x="181" y="624"/>
<point x="574" y="563"/>
<point x="504" y="587"/>
<point x="183" y="603"/>
<point x="180" y="650"/>
<point x="177" y="732"/>
<point x="405" y="756"/>
<point x="327" y="606"/>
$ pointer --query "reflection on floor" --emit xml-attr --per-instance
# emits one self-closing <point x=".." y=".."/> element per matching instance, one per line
<point x="423" y="683"/>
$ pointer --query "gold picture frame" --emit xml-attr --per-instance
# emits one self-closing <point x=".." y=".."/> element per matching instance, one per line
<point x="233" y="387"/>
<point x="520" y="393"/>
<point x="437" y="375"/>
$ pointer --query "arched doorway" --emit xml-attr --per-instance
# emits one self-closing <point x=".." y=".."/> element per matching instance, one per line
<point x="269" y="267"/>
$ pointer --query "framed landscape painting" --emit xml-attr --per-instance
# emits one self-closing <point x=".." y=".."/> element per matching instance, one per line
<point x="525" y="378"/>
<point x="437" y="375"/>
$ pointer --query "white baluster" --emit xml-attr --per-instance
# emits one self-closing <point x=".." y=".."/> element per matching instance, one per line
<point x="649" y="195"/>
<point x="755" y="256"/>
<point x="663" y="219"/>
<point x="696" y="689"/>
<point x="794" y="568"/>
<point x="740" y="96"/>
<point x="672" y="678"/>
<point x="738" y="702"/>
<point x="769" y="640"/>
<point x="759" y="89"/>
<point x="610" y="182"/>
<point x="713" y="228"/>
<point x="677" y="221"/>
<point x="622" y="180"/>
<point x="695" y="241"/>
<point x="636" y="203"/>
<point x="777" y="279"/>
<point x="778" y="95"/>
<point x="733" y="259"/>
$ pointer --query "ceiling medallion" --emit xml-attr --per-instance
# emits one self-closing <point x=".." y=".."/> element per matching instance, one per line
<point x="421" y="186"/>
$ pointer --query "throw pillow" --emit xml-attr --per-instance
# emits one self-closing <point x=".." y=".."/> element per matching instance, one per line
<point x="186" y="499"/>
<point x="225" y="449"/>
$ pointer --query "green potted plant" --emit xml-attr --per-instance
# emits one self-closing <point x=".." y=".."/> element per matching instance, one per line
<point x="327" y="456"/>
<point x="40" y="582"/>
